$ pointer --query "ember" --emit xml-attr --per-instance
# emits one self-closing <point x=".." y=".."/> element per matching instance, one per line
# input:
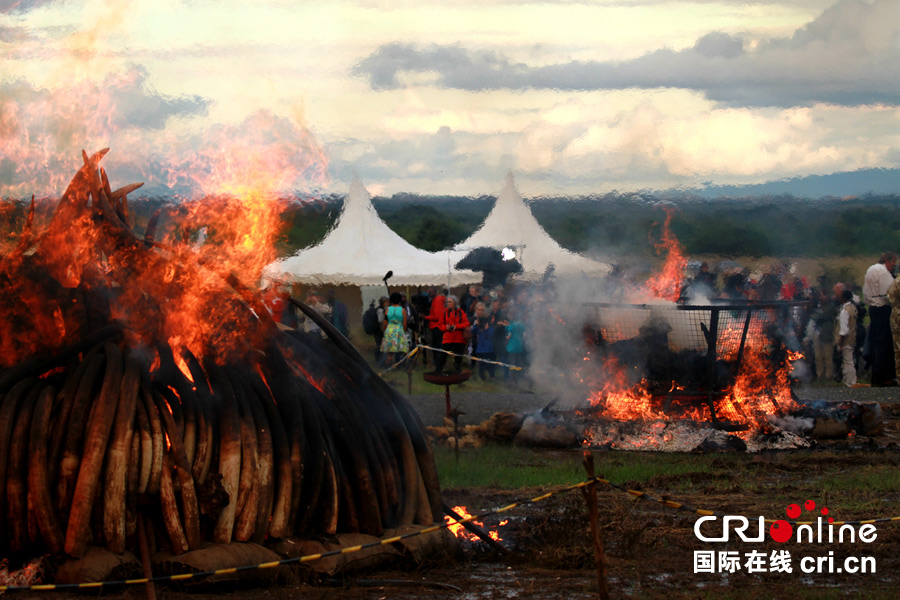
<point x="460" y="531"/>
<point x="143" y="381"/>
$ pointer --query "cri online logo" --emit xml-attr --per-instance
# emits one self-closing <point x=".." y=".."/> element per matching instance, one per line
<point x="782" y="531"/>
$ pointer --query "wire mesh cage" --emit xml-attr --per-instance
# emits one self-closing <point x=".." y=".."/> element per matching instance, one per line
<point x="719" y="333"/>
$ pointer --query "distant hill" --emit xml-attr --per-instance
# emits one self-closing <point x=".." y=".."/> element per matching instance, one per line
<point x="835" y="185"/>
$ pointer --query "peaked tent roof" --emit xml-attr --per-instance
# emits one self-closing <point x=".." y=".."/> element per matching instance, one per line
<point x="511" y="223"/>
<point x="361" y="249"/>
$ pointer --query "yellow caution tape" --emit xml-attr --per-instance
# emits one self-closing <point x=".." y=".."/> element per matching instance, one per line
<point x="640" y="495"/>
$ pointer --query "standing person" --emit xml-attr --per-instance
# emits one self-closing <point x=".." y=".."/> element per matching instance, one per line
<point x="434" y="317"/>
<point x="412" y="320"/>
<point x="893" y="295"/>
<point x="395" y="322"/>
<point x="469" y="297"/>
<point x="379" y="333"/>
<point x="879" y="278"/>
<point x="276" y="299"/>
<point x="515" y="343"/>
<point x="340" y="316"/>
<point x="314" y="300"/>
<point x="498" y="315"/>
<point x="453" y="324"/>
<point x="421" y="302"/>
<point x="483" y="338"/>
<point x="821" y="325"/>
<point x="845" y="337"/>
<point x="734" y="286"/>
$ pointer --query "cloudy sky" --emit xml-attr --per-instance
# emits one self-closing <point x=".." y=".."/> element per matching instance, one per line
<point x="446" y="97"/>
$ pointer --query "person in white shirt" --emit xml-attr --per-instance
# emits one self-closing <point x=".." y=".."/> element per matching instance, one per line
<point x="845" y="337"/>
<point x="879" y="278"/>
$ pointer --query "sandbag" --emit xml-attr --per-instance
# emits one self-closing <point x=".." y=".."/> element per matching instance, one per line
<point x="98" y="564"/>
<point x="420" y="548"/>
<point x="339" y="563"/>
<point x="212" y="557"/>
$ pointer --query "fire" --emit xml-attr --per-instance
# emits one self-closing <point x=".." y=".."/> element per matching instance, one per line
<point x="761" y="386"/>
<point x="459" y="530"/>
<point x="233" y="181"/>
<point x="747" y="377"/>
<point x="622" y="399"/>
<point x="196" y="302"/>
<point x="758" y="390"/>
<point x="667" y="283"/>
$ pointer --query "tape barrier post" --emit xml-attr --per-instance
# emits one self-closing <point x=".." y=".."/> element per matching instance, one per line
<point x="590" y="498"/>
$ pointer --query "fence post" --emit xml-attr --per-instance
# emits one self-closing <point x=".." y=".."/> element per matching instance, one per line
<point x="590" y="498"/>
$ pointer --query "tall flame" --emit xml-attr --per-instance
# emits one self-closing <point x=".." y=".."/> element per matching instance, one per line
<point x="667" y="283"/>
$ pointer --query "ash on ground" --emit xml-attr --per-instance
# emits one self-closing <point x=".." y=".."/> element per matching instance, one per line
<point x="685" y="436"/>
<point x="811" y="423"/>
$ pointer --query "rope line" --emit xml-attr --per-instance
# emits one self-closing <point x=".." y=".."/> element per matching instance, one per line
<point x="711" y="513"/>
<point x="400" y="362"/>
<point x="638" y="494"/>
<point x="295" y="560"/>
<point x="484" y="360"/>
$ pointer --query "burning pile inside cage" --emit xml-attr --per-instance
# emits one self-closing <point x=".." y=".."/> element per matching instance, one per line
<point x="714" y="376"/>
<point x="727" y="364"/>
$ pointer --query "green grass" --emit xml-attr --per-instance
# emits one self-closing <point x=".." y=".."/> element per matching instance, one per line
<point x="511" y="468"/>
<point x="507" y="468"/>
<point x="875" y="478"/>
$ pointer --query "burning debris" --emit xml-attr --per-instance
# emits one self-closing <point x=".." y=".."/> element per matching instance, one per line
<point x="143" y="386"/>
<point x="804" y="427"/>
<point x="727" y="364"/>
<point x="459" y="530"/>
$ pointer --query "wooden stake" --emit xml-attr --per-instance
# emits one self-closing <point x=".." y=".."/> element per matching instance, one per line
<point x="590" y="498"/>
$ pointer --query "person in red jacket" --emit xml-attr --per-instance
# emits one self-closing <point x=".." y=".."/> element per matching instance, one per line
<point x="434" y="317"/>
<point x="454" y="324"/>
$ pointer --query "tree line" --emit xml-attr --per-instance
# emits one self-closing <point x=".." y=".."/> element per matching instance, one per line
<point x="612" y="224"/>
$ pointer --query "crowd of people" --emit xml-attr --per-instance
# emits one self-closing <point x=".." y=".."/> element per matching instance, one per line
<point x="482" y="323"/>
<point x="492" y="326"/>
<point x="836" y="342"/>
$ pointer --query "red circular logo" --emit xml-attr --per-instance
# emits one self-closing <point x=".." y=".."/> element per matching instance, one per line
<point x="781" y="531"/>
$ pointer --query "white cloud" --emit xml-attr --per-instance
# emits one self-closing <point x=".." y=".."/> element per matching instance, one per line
<point x="44" y="130"/>
<point x="848" y="55"/>
<point x="599" y="141"/>
<point x="692" y="76"/>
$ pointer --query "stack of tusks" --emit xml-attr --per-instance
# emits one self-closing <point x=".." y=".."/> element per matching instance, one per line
<point x="93" y="437"/>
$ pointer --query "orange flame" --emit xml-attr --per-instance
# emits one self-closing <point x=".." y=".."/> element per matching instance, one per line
<point x="759" y="389"/>
<point x="459" y="530"/>
<point x="180" y="292"/>
<point x="667" y="283"/>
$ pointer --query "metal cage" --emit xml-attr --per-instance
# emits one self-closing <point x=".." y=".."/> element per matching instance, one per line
<point x="717" y="333"/>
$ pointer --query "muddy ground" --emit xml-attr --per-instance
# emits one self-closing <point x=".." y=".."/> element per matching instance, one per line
<point x="650" y="548"/>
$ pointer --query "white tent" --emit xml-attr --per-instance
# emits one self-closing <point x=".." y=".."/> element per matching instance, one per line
<point x="361" y="249"/>
<point x="511" y="224"/>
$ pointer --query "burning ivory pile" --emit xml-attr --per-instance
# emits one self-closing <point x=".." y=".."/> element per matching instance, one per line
<point x="122" y="412"/>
